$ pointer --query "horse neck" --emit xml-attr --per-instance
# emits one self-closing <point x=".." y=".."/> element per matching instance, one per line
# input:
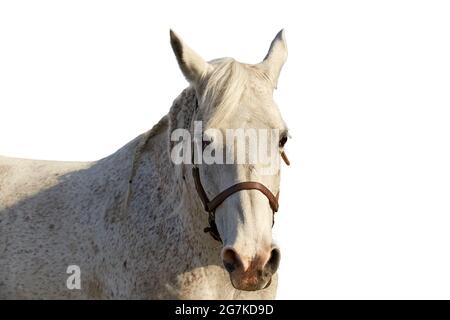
<point x="158" y="186"/>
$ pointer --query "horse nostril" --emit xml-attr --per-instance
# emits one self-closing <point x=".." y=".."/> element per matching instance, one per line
<point x="231" y="260"/>
<point x="229" y="266"/>
<point x="274" y="260"/>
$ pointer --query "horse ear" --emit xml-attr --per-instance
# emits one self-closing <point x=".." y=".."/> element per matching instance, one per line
<point x="191" y="64"/>
<point x="275" y="58"/>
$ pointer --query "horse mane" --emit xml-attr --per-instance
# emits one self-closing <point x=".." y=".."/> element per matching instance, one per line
<point x="179" y="116"/>
<point x="139" y="150"/>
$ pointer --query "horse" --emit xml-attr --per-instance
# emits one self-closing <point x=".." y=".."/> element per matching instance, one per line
<point x="130" y="226"/>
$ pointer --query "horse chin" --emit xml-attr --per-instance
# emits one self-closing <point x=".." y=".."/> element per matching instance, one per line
<point x="250" y="287"/>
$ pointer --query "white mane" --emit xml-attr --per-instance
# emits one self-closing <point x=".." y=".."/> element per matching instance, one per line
<point x="223" y="88"/>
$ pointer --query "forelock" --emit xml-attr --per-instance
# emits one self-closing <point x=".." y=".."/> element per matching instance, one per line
<point x="223" y="88"/>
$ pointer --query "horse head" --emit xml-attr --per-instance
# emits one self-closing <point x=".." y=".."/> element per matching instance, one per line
<point x="242" y="138"/>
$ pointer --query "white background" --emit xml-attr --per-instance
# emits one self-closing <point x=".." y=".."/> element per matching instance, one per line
<point x="365" y="208"/>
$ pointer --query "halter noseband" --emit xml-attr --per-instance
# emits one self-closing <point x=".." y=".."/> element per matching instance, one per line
<point x="210" y="206"/>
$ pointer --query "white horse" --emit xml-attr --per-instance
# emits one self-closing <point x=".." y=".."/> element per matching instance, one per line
<point x="133" y="222"/>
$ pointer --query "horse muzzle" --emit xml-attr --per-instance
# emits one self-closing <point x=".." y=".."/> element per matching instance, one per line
<point x="251" y="275"/>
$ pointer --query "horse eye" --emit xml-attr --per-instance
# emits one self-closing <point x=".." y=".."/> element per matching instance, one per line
<point x="283" y="141"/>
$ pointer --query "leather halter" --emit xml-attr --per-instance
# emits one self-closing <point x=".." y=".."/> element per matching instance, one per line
<point x="210" y="206"/>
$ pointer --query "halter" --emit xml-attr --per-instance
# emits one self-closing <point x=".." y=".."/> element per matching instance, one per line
<point x="210" y="206"/>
